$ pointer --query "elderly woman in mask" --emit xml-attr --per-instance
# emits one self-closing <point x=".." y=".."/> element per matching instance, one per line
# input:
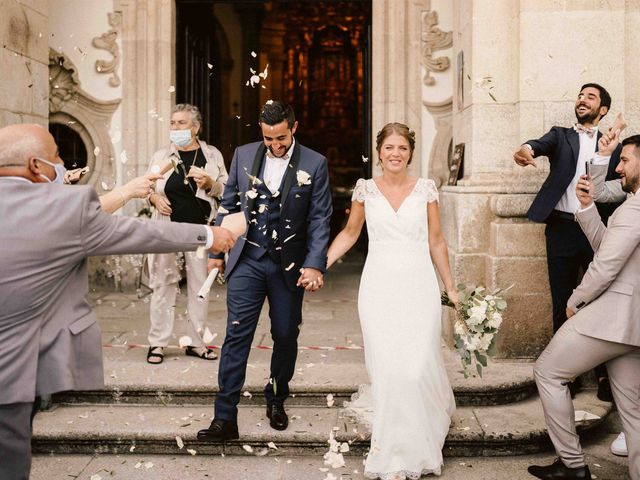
<point x="187" y="192"/>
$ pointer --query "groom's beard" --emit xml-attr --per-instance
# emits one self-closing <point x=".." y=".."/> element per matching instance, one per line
<point x="588" y="117"/>
<point x="631" y="184"/>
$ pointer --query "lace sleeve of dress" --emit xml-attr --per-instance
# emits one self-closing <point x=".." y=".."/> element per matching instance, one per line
<point x="359" y="191"/>
<point x="427" y="187"/>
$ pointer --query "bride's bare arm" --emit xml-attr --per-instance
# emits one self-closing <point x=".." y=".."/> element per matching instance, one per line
<point x="349" y="234"/>
<point x="439" y="250"/>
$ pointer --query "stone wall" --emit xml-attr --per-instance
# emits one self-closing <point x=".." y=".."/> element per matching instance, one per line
<point x="24" y="61"/>
<point x="524" y="62"/>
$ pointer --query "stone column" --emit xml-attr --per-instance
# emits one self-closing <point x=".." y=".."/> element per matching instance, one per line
<point x="148" y="70"/>
<point x="24" y="61"/>
<point x="524" y="62"/>
<point x="396" y="68"/>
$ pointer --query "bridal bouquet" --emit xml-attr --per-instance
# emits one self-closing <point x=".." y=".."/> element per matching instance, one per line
<point x="478" y="320"/>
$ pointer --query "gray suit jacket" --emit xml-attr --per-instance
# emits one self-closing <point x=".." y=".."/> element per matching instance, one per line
<point x="607" y="301"/>
<point x="49" y="338"/>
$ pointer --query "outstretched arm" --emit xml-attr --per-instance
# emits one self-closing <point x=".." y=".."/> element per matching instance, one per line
<point x="439" y="250"/>
<point x="139" y="187"/>
<point x="348" y="236"/>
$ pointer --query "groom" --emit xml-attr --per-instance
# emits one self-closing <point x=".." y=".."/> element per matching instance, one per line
<point x="283" y="190"/>
<point x="603" y="326"/>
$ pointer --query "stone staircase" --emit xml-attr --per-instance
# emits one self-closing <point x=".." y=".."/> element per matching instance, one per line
<point x="144" y="408"/>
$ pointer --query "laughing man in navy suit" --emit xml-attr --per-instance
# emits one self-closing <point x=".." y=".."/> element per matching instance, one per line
<point x="568" y="249"/>
<point x="283" y="189"/>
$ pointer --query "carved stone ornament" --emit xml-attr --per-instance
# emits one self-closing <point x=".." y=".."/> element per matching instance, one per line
<point x="107" y="41"/>
<point x="63" y="80"/>
<point x="434" y="39"/>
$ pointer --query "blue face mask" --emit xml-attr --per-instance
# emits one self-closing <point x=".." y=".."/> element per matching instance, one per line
<point x="58" y="167"/>
<point x="180" y="138"/>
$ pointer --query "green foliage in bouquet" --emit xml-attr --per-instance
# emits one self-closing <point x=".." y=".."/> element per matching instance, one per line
<point x="478" y="320"/>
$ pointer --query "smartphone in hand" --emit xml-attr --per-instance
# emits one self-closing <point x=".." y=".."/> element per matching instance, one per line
<point x="587" y="163"/>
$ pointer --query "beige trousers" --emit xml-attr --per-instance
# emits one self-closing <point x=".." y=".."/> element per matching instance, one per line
<point x="164" y="274"/>
<point x="570" y="354"/>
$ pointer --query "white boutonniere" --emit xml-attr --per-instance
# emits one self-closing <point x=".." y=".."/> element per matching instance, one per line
<point x="303" y="178"/>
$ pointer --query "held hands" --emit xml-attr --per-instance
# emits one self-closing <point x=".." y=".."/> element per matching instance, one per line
<point x="311" y="279"/>
<point x="201" y="177"/>
<point x="223" y="239"/>
<point x="608" y="143"/>
<point x="584" y="191"/>
<point x="524" y="156"/>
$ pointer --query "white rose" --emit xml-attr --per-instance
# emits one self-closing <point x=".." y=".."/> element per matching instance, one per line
<point x="303" y="178"/>
<point x="458" y="329"/>
<point x="495" y="320"/>
<point x="485" y="341"/>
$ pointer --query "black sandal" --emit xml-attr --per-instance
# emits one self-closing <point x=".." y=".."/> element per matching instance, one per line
<point x="191" y="351"/>
<point x="153" y="355"/>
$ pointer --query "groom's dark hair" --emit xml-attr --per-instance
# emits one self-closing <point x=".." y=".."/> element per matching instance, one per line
<point x="274" y="112"/>
<point x="632" y="140"/>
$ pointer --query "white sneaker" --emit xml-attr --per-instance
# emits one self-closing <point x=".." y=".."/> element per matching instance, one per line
<point x="619" y="446"/>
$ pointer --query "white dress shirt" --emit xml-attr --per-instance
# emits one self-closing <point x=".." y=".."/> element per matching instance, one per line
<point x="569" y="202"/>
<point x="275" y="168"/>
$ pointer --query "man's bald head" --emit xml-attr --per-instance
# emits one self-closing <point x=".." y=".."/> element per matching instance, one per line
<point x="19" y="143"/>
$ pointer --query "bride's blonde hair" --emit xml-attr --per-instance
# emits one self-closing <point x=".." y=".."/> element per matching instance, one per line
<point x="399" y="129"/>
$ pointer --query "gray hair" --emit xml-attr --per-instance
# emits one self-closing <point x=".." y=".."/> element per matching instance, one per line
<point x="17" y="146"/>
<point x="196" y="116"/>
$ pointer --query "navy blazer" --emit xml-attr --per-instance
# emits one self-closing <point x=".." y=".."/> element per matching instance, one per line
<point x="305" y="209"/>
<point x="562" y="146"/>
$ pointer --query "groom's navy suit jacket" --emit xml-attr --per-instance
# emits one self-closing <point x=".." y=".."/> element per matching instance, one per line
<point x="305" y="210"/>
<point x="562" y="146"/>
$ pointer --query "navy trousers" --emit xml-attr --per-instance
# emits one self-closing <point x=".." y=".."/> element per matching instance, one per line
<point x="247" y="287"/>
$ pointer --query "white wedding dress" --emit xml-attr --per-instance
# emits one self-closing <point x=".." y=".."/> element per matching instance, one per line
<point x="409" y="402"/>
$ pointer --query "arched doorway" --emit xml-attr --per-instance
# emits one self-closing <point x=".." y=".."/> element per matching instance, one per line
<point x="314" y="55"/>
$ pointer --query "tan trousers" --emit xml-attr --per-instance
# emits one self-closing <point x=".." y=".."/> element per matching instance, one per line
<point x="570" y="354"/>
<point x="164" y="274"/>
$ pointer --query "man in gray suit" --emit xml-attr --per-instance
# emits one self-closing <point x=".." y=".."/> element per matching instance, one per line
<point x="603" y="325"/>
<point x="49" y="338"/>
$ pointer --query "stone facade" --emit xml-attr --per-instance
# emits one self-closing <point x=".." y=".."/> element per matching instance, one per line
<point x="489" y="74"/>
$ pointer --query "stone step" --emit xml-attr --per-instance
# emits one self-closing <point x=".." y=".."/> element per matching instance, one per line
<point x="512" y="429"/>
<point x="185" y="380"/>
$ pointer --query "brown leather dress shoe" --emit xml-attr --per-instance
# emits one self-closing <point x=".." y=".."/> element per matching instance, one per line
<point x="558" y="471"/>
<point x="219" y="431"/>
<point x="278" y="418"/>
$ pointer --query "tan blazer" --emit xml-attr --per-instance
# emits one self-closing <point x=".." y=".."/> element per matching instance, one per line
<point x="605" y="191"/>
<point x="607" y="301"/>
<point x="214" y="167"/>
<point x="49" y="338"/>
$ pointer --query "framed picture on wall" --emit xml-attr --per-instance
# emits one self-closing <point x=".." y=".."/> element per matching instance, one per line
<point x="456" y="164"/>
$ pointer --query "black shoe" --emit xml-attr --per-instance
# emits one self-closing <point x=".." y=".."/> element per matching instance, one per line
<point x="604" y="390"/>
<point x="219" y="431"/>
<point x="278" y="418"/>
<point x="558" y="471"/>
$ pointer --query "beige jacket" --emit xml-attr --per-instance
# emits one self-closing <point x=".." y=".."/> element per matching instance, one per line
<point x="214" y="167"/>
<point x="607" y="301"/>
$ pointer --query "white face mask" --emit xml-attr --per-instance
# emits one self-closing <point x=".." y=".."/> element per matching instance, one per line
<point x="181" y="138"/>
<point x="58" y="167"/>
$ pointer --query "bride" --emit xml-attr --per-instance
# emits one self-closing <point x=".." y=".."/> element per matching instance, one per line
<point x="410" y="401"/>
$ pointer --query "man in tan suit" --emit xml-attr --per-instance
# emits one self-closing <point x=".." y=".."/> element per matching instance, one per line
<point x="49" y="338"/>
<point x="603" y="326"/>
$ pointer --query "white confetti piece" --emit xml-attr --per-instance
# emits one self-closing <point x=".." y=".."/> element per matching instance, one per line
<point x="185" y="341"/>
<point x="209" y="66"/>
<point x="191" y="451"/>
<point x="208" y="337"/>
<point x="180" y="443"/>
<point x="124" y="158"/>
<point x="96" y="477"/>
<point x="172" y="89"/>
<point x="365" y="159"/>
<point x="247" y="394"/>
<point x="254" y="54"/>
<point x="291" y="265"/>
<point x="289" y="237"/>
<point x="104" y="186"/>
<point x="132" y="448"/>
<point x="268" y="102"/>
<point x="96" y="151"/>
<point x="247" y="448"/>
<point x="344" y="447"/>
<point x="272" y="446"/>
<point x="252" y="193"/>
<point x="148" y="465"/>
<point x="330" y="400"/>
